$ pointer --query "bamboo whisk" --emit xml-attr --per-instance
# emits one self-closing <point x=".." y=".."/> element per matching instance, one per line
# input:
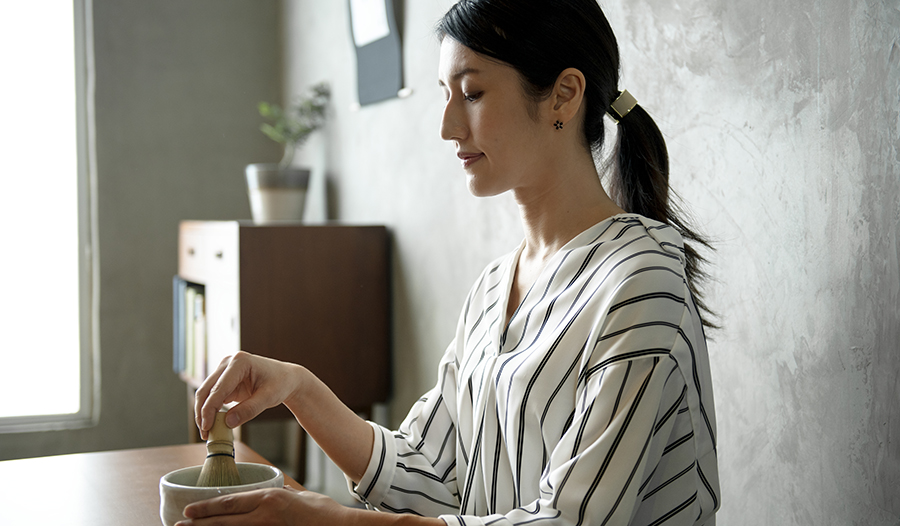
<point x="219" y="468"/>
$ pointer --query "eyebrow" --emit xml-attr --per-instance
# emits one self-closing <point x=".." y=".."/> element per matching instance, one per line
<point x="460" y="74"/>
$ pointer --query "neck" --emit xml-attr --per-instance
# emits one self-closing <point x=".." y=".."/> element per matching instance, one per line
<point x="565" y="203"/>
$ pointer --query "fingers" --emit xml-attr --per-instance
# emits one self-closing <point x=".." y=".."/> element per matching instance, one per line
<point x="219" y="388"/>
<point x="268" y="506"/>
<point x="264" y="506"/>
<point x="203" y="393"/>
<point x="256" y="383"/>
<point x="235" y="504"/>
<point x="244" y="412"/>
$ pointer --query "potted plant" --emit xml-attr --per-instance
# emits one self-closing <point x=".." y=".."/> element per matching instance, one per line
<point x="278" y="191"/>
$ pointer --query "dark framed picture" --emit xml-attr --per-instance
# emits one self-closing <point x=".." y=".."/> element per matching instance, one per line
<point x="379" y="61"/>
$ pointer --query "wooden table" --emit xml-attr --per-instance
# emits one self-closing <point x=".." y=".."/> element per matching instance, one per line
<point x="118" y="488"/>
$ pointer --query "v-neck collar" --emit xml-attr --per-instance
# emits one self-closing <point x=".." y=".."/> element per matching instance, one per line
<point x="498" y="330"/>
<point x="500" y="325"/>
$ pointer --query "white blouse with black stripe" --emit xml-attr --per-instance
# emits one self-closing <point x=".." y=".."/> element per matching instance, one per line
<point x="593" y="406"/>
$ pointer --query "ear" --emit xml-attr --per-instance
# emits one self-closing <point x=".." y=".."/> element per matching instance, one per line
<point x="567" y="95"/>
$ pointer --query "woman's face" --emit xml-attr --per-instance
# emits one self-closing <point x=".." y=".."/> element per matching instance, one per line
<point x="486" y="115"/>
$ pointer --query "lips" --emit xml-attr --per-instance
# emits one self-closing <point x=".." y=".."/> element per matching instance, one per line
<point x="468" y="159"/>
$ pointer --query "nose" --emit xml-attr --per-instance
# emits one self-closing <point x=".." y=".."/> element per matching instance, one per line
<point x="452" y="123"/>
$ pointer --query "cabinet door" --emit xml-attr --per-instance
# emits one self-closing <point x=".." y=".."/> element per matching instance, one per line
<point x="318" y="296"/>
<point x="222" y="292"/>
<point x="191" y="254"/>
<point x="208" y="255"/>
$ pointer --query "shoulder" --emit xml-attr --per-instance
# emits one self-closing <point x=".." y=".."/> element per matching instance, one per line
<point x="633" y="255"/>
<point x="646" y="308"/>
<point x="638" y="289"/>
<point x="635" y="240"/>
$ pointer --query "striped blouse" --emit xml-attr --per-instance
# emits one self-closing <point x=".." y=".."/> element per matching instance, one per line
<point x="593" y="406"/>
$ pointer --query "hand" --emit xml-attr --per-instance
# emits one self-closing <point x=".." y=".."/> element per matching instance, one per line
<point x="267" y="506"/>
<point x="255" y="382"/>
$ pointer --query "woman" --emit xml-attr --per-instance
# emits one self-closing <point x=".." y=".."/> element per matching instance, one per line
<point x="577" y="388"/>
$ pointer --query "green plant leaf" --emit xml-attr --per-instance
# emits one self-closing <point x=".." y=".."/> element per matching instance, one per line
<point x="292" y="126"/>
<point x="273" y="133"/>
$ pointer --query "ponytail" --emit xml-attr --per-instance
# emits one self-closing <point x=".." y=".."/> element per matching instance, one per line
<point x="640" y="185"/>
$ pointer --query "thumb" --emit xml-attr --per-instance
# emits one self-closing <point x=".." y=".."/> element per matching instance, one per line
<point x="244" y="412"/>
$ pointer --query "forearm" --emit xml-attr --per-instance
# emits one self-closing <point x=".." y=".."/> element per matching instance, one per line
<point x="343" y="436"/>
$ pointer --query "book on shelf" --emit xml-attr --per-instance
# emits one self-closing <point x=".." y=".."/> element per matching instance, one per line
<point x="178" y="324"/>
<point x="199" y="329"/>
<point x="189" y="328"/>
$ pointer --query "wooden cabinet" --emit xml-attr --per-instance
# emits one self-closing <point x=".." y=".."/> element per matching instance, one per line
<point x="316" y="295"/>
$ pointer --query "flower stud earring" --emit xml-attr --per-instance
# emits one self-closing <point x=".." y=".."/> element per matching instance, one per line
<point x="558" y="125"/>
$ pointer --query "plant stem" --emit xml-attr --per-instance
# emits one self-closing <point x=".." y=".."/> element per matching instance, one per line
<point x="288" y="156"/>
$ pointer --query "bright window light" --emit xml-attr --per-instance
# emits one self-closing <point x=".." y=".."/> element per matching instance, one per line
<point x="40" y="349"/>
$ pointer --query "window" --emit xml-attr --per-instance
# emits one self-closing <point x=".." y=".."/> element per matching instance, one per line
<point x="48" y="351"/>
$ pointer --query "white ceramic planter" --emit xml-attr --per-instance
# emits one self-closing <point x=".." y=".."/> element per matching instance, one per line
<point x="276" y="194"/>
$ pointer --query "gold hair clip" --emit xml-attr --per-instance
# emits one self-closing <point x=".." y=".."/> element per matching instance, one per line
<point x="621" y="106"/>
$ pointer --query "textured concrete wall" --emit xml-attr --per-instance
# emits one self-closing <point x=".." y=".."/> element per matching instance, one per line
<point x="782" y="123"/>
<point x="176" y="90"/>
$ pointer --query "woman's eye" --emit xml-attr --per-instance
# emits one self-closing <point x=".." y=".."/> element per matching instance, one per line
<point x="471" y="97"/>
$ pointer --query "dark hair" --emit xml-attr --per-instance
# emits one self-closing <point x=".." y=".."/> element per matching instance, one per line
<point x="540" y="39"/>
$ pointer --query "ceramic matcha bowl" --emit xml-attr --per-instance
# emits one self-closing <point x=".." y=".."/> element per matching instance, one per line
<point x="178" y="488"/>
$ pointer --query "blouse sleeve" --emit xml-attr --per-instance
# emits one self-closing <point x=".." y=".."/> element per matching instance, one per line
<point x="413" y="469"/>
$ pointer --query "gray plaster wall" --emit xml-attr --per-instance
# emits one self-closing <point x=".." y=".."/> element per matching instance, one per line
<point x="783" y="126"/>
<point x="177" y="85"/>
